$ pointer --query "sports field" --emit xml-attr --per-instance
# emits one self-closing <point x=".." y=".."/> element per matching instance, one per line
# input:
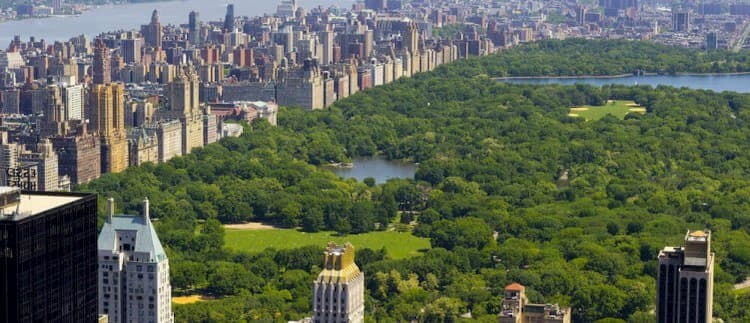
<point x="397" y="244"/>
<point x="614" y="107"/>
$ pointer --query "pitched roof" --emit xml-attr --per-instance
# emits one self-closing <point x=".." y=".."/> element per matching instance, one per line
<point x="146" y="240"/>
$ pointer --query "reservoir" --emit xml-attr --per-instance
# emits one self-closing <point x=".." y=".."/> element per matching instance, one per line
<point x="714" y="82"/>
<point x="133" y="15"/>
<point x="378" y="168"/>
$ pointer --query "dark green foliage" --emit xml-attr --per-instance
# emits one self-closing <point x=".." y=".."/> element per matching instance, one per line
<point x="487" y="192"/>
<point x="579" y="57"/>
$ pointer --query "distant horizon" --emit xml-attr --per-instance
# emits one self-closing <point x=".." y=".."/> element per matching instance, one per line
<point x="113" y="17"/>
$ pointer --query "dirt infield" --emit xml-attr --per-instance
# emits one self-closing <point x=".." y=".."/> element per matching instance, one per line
<point x="249" y="226"/>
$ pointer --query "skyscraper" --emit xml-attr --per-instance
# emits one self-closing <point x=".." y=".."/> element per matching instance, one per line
<point x="339" y="290"/>
<point x="286" y="8"/>
<point x="410" y="39"/>
<point x="47" y="257"/>
<point x="130" y="49"/>
<point x="101" y="65"/>
<point x="376" y="5"/>
<point x="194" y="28"/>
<point x="152" y="33"/>
<point x="712" y="42"/>
<point x="133" y="270"/>
<point x="107" y="118"/>
<point x="184" y="100"/>
<point x="229" y="18"/>
<point x="680" y="20"/>
<point x="685" y="281"/>
<point x="43" y="159"/>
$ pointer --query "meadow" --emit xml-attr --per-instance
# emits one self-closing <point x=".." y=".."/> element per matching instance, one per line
<point x="617" y="108"/>
<point x="397" y="244"/>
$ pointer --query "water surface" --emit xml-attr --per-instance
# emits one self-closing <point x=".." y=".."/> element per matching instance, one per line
<point x="717" y="82"/>
<point x="132" y="15"/>
<point x="378" y="168"/>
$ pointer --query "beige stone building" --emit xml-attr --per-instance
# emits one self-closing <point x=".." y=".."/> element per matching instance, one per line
<point x="517" y="309"/>
<point x="107" y="119"/>
<point x="339" y="290"/>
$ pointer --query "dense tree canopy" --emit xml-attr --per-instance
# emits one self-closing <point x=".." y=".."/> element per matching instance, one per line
<point x="573" y="57"/>
<point x="489" y="192"/>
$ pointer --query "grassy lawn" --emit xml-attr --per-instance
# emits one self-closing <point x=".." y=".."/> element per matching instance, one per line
<point x="616" y="108"/>
<point x="190" y="299"/>
<point x="398" y="244"/>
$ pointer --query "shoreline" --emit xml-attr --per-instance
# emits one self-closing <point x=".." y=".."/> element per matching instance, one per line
<point x="616" y="76"/>
<point x="80" y="9"/>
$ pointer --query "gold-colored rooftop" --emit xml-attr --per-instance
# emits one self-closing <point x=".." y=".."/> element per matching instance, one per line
<point x="338" y="264"/>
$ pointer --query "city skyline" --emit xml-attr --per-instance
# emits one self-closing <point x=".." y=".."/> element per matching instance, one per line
<point x="522" y="203"/>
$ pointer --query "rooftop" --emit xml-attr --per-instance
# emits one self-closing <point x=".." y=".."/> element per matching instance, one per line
<point x="146" y="239"/>
<point x="33" y="203"/>
<point x="698" y="235"/>
<point x="515" y="286"/>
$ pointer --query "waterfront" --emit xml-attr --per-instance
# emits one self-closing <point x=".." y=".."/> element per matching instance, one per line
<point x="378" y="168"/>
<point x="132" y="15"/>
<point x="714" y="82"/>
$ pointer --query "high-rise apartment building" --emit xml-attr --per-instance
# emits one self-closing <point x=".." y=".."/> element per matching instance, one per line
<point x="47" y="257"/>
<point x="107" y="118"/>
<point x="152" y="33"/>
<point x="72" y="97"/>
<point x="376" y="5"/>
<point x="680" y="20"/>
<point x="229" y="18"/>
<point x="102" y="72"/>
<point x="339" y="290"/>
<point x="130" y="48"/>
<point x="184" y="100"/>
<point x="133" y="270"/>
<point x="286" y="8"/>
<point x="685" y="281"/>
<point x="43" y="159"/>
<point x="79" y="157"/>
<point x="194" y="28"/>
<point x="106" y="109"/>
<point x="302" y="87"/>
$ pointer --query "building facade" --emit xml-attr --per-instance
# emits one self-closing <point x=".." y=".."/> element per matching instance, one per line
<point x="339" y="290"/>
<point x="133" y="270"/>
<point x="685" y="281"/>
<point x="517" y="309"/>
<point x="79" y="157"/>
<point x="47" y="257"/>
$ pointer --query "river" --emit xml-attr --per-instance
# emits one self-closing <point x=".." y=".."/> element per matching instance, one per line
<point x="132" y="15"/>
<point x="728" y="82"/>
<point x="378" y="168"/>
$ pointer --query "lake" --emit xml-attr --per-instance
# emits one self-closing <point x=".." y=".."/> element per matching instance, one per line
<point x="717" y="82"/>
<point x="378" y="168"/>
<point x="133" y="15"/>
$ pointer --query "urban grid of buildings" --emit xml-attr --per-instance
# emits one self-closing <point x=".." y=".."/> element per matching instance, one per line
<point x="129" y="97"/>
<point x="74" y="110"/>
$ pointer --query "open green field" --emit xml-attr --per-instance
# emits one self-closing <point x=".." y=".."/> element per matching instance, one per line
<point x="614" y="107"/>
<point x="398" y="244"/>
